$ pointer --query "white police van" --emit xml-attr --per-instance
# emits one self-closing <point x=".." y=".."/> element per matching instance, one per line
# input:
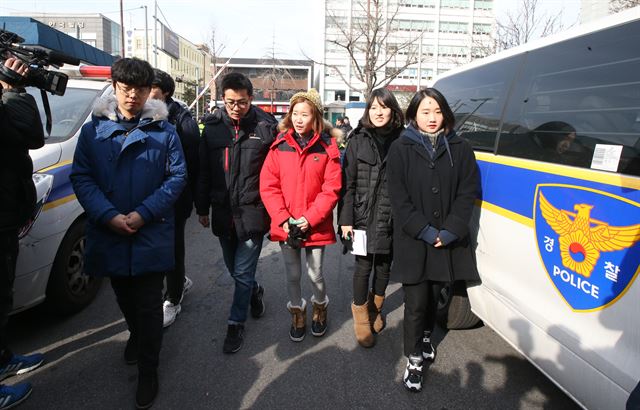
<point x="555" y="125"/>
<point x="50" y="260"/>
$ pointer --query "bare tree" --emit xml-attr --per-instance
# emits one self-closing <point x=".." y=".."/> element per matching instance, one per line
<point x="217" y="46"/>
<point x="524" y="24"/>
<point x="376" y="53"/>
<point x="275" y="77"/>
<point x="616" y="6"/>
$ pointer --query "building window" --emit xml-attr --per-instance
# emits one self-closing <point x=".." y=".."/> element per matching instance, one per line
<point x="428" y="4"/>
<point x="481" y="28"/>
<point x="483" y="4"/>
<point x="452" y="51"/>
<point x="412" y="25"/>
<point x="453" y="27"/>
<point x="455" y="4"/>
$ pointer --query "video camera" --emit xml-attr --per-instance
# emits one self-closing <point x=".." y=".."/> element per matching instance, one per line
<point x="36" y="58"/>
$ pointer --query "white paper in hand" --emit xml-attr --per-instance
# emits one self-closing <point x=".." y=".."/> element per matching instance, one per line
<point x="359" y="242"/>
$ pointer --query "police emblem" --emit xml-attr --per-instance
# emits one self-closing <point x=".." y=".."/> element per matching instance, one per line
<point x="589" y="243"/>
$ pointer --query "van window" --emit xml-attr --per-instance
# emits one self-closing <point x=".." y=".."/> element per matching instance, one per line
<point x="477" y="99"/>
<point x="68" y="112"/>
<point x="574" y="95"/>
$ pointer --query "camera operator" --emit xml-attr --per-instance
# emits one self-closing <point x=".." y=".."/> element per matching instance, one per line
<point x="20" y="130"/>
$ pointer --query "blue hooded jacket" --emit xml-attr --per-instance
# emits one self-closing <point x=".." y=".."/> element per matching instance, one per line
<point x="116" y="171"/>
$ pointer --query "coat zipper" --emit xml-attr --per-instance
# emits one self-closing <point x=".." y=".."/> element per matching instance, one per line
<point x="226" y="150"/>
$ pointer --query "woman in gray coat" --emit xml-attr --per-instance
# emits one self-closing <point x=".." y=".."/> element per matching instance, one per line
<point x="433" y="184"/>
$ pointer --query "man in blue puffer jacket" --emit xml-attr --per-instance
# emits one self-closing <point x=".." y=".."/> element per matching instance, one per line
<point x="128" y="171"/>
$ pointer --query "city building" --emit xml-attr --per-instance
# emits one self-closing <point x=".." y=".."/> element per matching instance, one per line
<point x="36" y="33"/>
<point x="188" y="63"/>
<point x="274" y="81"/>
<point x="440" y="34"/>
<point x="94" y="29"/>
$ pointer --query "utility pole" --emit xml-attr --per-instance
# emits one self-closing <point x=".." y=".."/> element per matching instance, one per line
<point x="197" y="92"/>
<point x="122" y="29"/>
<point x="419" y="63"/>
<point x="146" y="33"/>
<point x="155" y="35"/>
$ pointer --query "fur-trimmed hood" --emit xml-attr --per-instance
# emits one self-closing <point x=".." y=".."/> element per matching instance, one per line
<point x="328" y="128"/>
<point x="153" y="109"/>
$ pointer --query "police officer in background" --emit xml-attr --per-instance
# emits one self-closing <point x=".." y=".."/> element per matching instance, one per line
<point x="20" y="131"/>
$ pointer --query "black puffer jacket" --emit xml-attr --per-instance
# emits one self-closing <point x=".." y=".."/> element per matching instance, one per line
<point x="230" y="163"/>
<point x="187" y="129"/>
<point x="20" y="130"/>
<point x="365" y="200"/>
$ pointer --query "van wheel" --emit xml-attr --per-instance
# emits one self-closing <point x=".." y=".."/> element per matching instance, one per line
<point x="454" y="308"/>
<point x="69" y="289"/>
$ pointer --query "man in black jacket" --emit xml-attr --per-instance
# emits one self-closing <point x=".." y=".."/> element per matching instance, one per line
<point x="178" y="283"/>
<point x="234" y="145"/>
<point x="20" y="130"/>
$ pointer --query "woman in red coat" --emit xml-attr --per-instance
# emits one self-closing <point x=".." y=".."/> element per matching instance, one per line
<point x="300" y="184"/>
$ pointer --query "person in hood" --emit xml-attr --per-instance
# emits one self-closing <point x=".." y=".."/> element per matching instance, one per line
<point x="300" y="184"/>
<point x="128" y="171"/>
<point x="365" y="206"/>
<point x="433" y="184"/>
<point x="178" y="284"/>
<point x="234" y="145"/>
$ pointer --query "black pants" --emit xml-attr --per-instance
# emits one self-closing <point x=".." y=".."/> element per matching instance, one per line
<point x="140" y="300"/>
<point x="9" y="255"/>
<point x="175" y="278"/>
<point x="420" y="308"/>
<point x="364" y="264"/>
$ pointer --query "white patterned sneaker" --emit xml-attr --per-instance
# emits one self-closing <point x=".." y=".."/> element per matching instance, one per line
<point x="170" y="311"/>
<point x="412" y="378"/>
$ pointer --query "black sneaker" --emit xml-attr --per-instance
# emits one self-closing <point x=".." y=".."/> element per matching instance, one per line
<point x="257" y="302"/>
<point x="147" y="390"/>
<point x="235" y="338"/>
<point x="428" y="351"/>
<point x="412" y="378"/>
<point x="131" y="350"/>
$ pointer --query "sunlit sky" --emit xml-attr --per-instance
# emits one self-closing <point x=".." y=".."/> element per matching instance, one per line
<point x="248" y="28"/>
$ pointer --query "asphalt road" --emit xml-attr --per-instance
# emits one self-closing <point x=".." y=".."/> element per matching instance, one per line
<point x="84" y="366"/>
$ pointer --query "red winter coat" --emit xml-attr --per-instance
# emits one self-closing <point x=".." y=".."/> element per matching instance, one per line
<point x="305" y="182"/>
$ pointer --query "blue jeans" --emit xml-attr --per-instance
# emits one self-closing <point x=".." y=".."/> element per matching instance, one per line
<point x="241" y="259"/>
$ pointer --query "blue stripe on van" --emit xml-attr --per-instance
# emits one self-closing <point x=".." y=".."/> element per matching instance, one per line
<point x="513" y="188"/>
<point x="61" y="183"/>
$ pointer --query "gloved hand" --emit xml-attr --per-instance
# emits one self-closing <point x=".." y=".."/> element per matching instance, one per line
<point x="429" y="234"/>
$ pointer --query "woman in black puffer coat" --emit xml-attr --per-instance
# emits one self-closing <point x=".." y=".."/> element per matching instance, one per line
<point x="365" y="205"/>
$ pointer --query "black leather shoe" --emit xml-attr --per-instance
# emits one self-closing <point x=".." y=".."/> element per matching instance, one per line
<point x="147" y="390"/>
<point x="131" y="350"/>
<point x="235" y="338"/>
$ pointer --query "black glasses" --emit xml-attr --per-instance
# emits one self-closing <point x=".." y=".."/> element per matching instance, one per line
<point x="240" y="104"/>
<point x="127" y="90"/>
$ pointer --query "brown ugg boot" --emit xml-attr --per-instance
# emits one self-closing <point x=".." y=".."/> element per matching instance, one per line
<point x="298" y="321"/>
<point x="378" y="321"/>
<point x="319" y="317"/>
<point x="361" y="325"/>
